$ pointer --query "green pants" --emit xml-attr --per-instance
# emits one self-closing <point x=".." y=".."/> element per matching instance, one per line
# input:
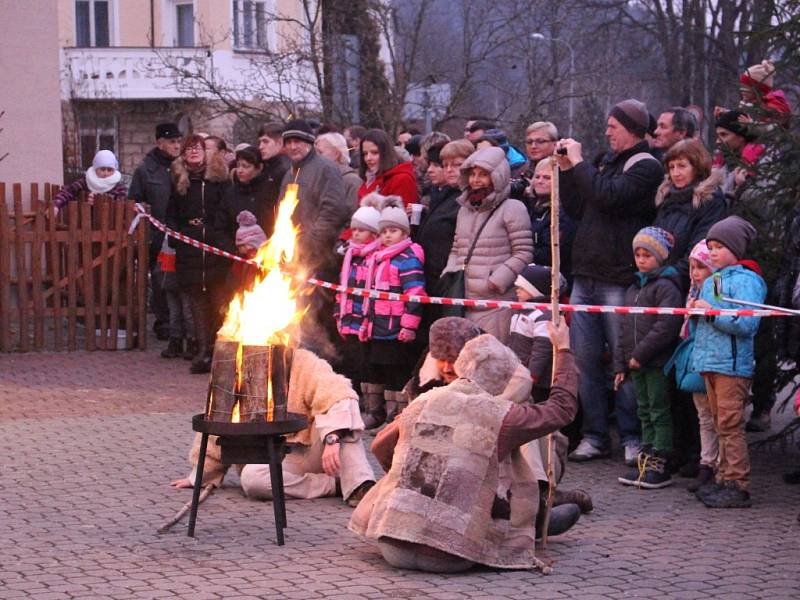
<point x="653" y="408"/>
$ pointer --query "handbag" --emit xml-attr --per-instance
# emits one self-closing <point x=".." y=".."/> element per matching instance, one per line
<point x="681" y="360"/>
<point x="453" y="284"/>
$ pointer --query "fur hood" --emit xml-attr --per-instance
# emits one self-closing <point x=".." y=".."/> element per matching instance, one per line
<point x="216" y="170"/>
<point x="494" y="161"/>
<point x="702" y="193"/>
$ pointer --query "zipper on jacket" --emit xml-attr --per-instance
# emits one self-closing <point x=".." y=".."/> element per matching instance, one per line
<point x="203" y="206"/>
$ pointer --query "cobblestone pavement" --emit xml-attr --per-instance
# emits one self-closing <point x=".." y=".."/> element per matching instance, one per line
<point x="91" y="440"/>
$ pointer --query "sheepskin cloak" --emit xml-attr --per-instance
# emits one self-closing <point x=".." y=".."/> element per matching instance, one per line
<point x="313" y="389"/>
<point x="445" y="477"/>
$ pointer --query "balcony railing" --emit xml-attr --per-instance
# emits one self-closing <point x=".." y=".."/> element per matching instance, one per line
<point x="126" y="73"/>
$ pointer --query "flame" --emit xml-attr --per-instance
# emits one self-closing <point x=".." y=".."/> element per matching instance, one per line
<point x="235" y="413"/>
<point x="266" y="313"/>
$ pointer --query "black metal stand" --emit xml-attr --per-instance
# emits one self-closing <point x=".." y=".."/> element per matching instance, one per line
<point x="248" y="443"/>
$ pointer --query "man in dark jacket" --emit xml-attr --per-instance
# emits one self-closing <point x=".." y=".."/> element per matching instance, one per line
<point x="321" y="215"/>
<point x="151" y="185"/>
<point x="276" y="164"/>
<point x="611" y="202"/>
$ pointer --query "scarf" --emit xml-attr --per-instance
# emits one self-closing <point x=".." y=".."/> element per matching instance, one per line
<point x="476" y="197"/>
<point x="383" y="258"/>
<point x="100" y="185"/>
<point x="354" y="249"/>
<point x="370" y="177"/>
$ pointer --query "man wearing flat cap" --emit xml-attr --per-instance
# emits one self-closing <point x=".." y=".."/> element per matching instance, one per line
<point x="151" y="185"/>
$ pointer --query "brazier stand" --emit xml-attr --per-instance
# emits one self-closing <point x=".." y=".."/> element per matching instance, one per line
<point x="255" y="442"/>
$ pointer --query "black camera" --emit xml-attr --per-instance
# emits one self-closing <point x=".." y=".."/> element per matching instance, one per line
<point x="562" y="151"/>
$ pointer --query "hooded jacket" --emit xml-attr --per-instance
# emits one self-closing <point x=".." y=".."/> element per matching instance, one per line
<point x="192" y="210"/>
<point x="400" y="180"/>
<point x="505" y="245"/>
<point x="612" y="205"/>
<point x="650" y="339"/>
<point x="725" y="344"/>
<point x="688" y="214"/>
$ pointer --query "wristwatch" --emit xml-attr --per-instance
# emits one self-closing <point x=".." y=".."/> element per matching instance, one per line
<point x="331" y="439"/>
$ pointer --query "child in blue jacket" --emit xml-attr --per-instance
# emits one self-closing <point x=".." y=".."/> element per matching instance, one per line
<point x="723" y="354"/>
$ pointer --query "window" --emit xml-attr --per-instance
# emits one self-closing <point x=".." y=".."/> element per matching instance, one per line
<point x="251" y="30"/>
<point x="92" y="23"/>
<point x="184" y="22"/>
<point x="97" y="132"/>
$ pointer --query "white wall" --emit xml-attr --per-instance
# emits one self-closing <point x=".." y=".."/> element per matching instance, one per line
<point x="29" y="93"/>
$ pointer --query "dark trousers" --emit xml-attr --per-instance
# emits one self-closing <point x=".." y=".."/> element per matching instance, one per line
<point x="765" y="351"/>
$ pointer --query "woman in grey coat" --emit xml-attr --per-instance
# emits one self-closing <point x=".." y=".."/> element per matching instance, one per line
<point x="504" y="246"/>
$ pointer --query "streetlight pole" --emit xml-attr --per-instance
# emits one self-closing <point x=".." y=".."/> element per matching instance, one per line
<point x="541" y="36"/>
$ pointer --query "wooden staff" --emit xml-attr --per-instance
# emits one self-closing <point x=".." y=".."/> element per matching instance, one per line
<point x="555" y="280"/>
<point x="185" y="509"/>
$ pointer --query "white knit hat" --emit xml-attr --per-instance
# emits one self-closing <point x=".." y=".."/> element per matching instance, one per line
<point x="394" y="215"/>
<point x="105" y="158"/>
<point x="366" y="217"/>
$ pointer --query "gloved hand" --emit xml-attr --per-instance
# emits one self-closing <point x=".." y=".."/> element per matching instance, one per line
<point x="407" y="335"/>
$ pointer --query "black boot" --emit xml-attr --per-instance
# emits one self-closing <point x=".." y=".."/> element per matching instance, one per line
<point x="174" y="349"/>
<point x="201" y="363"/>
<point x="705" y="475"/>
<point x="191" y="349"/>
<point x="562" y="518"/>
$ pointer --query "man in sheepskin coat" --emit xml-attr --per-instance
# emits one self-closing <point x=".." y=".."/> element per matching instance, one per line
<point x="458" y="491"/>
<point x="326" y="456"/>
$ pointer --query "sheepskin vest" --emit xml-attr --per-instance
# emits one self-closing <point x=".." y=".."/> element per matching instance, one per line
<point x="447" y="489"/>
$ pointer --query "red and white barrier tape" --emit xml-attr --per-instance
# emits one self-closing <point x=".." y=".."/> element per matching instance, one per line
<point x="469" y="303"/>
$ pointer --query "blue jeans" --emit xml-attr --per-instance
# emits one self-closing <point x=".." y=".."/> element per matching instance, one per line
<point x="591" y="335"/>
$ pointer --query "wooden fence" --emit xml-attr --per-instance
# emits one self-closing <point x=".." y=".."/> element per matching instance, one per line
<point x="71" y="280"/>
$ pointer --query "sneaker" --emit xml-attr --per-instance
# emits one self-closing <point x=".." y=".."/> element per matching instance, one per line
<point x="759" y="423"/>
<point x="359" y="493"/>
<point x="656" y="475"/>
<point x="727" y="495"/>
<point x="705" y="475"/>
<point x="586" y="450"/>
<point x="632" y="450"/>
<point x="709" y="488"/>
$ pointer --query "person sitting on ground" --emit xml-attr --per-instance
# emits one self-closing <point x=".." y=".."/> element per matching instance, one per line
<point x="326" y="457"/>
<point x="488" y="512"/>
<point x="103" y="177"/>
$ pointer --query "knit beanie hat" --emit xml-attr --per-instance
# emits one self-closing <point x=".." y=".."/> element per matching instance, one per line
<point x="394" y="215"/>
<point x="656" y="241"/>
<point x="760" y="76"/>
<point x="299" y="129"/>
<point x="700" y="254"/>
<point x="730" y="120"/>
<point x="369" y="213"/>
<point x="249" y="232"/>
<point x="414" y="145"/>
<point x="105" y="158"/>
<point x="168" y="131"/>
<point x="633" y="116"/>
<point x="487" y="362"/>
<point x="448" y="335"/>
<point x="536" y="280"/>
<point x="734" y="233"/>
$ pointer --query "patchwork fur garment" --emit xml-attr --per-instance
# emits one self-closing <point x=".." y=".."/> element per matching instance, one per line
<point x="313" y="389"/>
<point x="447" y="489"/>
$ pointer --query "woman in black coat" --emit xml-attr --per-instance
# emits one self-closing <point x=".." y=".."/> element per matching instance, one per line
<point x="197" y="189"/>
<point x="689" y="201"/>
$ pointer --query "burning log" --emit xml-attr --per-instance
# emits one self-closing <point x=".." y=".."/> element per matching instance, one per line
<point x="248" y="383"/>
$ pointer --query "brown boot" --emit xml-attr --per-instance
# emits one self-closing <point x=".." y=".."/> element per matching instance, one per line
<point x="374" y="403"/>
<point x="579" y="497"/>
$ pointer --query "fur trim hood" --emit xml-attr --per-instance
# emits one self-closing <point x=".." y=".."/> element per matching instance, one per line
<point x="494" y="161"/>
<point x="702" y="193"/>
<point x="216" y="170"/>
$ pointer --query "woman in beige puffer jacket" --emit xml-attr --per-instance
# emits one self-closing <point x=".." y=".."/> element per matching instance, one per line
<point x="504" y="247"/>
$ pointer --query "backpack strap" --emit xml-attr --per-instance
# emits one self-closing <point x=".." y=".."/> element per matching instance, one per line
<point x="638" y="157"/>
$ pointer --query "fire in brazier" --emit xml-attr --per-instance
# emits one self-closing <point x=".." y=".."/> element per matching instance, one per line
<point x="250" y="368"/>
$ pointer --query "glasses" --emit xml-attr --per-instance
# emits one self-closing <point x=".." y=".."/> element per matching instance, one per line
<point x="452" y="165"/>
<point x="195" y="149"/>
<point x="538" y="142"/>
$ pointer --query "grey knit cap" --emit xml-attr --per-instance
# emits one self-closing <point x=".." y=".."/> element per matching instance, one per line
<point x="633" y="116"/>
<point x="734" y="233"/>
<point x="448" y="336"/>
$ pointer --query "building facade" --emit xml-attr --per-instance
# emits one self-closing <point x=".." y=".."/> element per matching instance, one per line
<point x="127" y="65"/>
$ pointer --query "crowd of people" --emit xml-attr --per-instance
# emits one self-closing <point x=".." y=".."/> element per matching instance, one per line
<point x="655" y="221"/>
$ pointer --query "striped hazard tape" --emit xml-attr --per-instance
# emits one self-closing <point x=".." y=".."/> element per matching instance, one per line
<point x="471" y="303"/>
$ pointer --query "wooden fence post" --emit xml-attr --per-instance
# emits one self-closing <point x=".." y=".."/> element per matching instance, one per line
<point x="36" y="269"/>
<point x="5" y="273"/>
<point x="22" y="271"/>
